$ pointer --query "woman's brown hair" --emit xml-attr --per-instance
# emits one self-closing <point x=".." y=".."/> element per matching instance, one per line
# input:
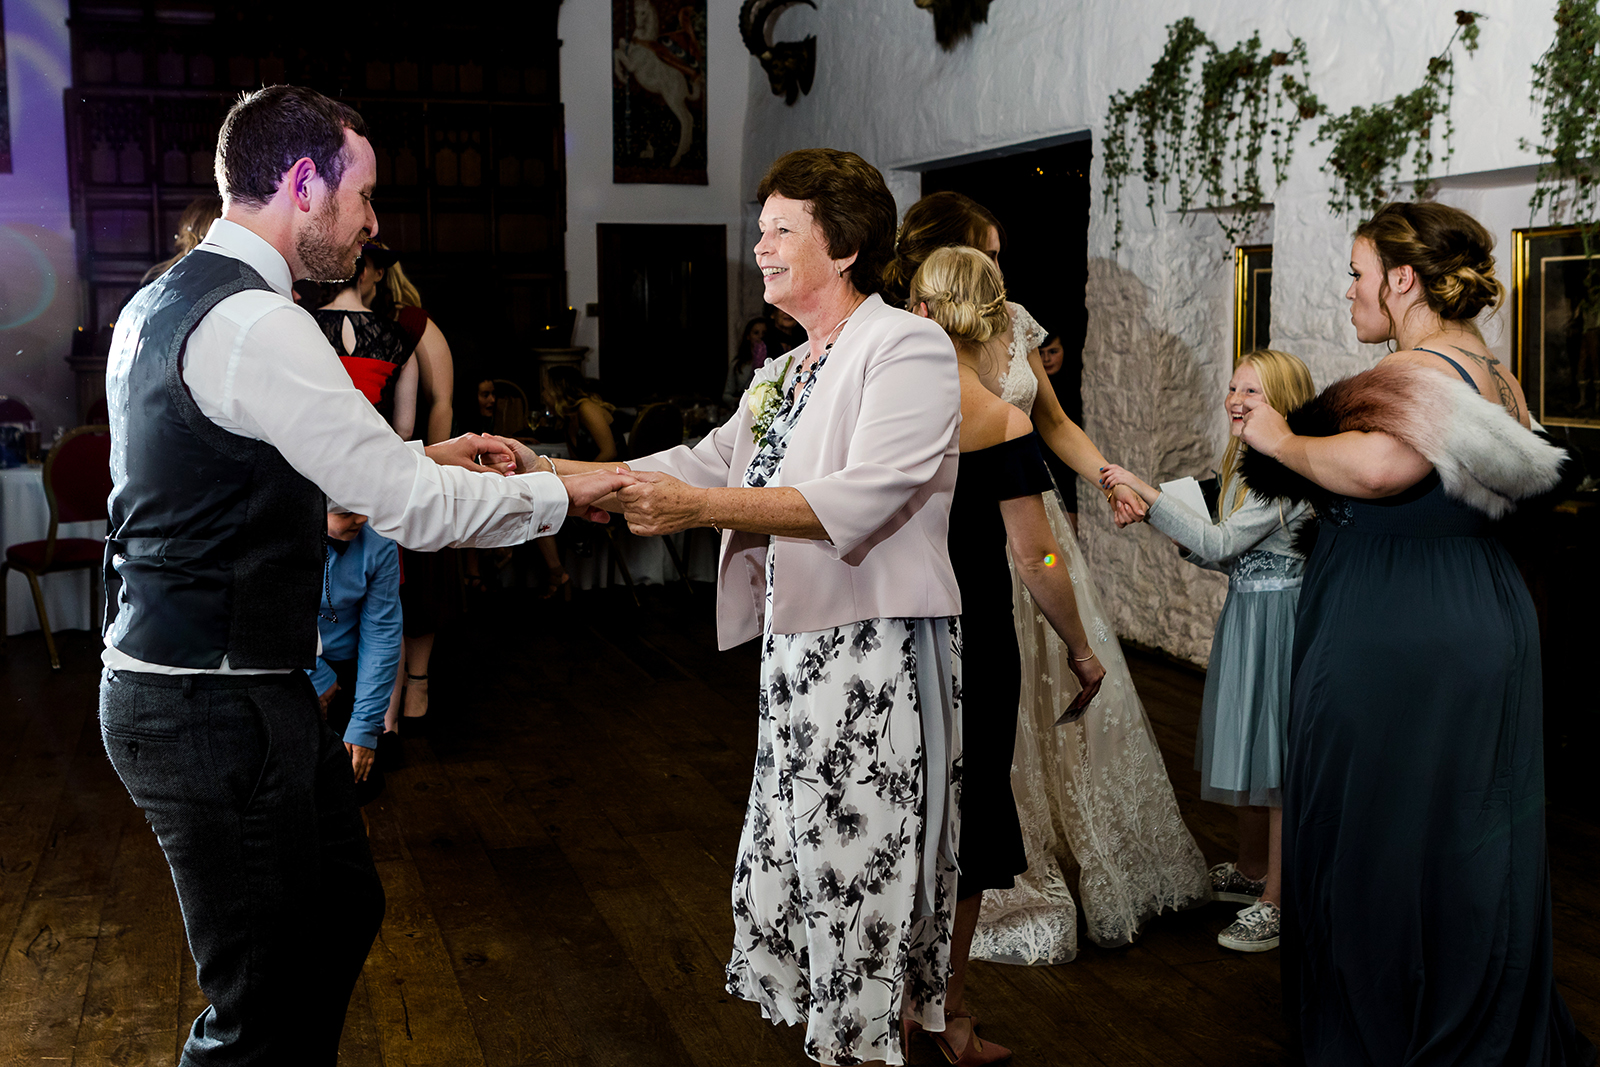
<point x="1449" y="250"/>
<point x="848" y="200"/>
<point x="936" y="221"/>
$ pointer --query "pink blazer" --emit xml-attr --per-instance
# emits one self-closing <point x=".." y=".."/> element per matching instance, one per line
<point x="874" y="454"/>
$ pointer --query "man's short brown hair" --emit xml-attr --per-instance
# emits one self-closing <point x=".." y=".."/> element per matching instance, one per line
<point x="848" y="199"/>
<point x="269" y="129"/>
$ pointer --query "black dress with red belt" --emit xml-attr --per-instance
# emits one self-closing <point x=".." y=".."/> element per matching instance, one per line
<point x="381" y="349"/>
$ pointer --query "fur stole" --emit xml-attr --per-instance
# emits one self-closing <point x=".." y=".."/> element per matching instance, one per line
<point x="1485" y="458"/>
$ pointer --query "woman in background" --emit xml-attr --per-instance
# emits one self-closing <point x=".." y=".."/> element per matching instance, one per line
<point x="590" y="435"/>
<point x="752" y="356"/>
<point x="1102" y="777"/>
<point x="430" y="576"/>
<point x="1245" y="712"/>
<point x="1066" y="383"/>
<point x="400" y="300"/>
<point x="379" y="356"/>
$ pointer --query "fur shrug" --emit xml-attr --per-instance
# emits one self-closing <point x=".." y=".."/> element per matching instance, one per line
<point x="1485" y="458"/>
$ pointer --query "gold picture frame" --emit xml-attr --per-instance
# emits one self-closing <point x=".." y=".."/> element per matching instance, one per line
<point x="1252" y="299"/>
<point x="1556" y="341"/>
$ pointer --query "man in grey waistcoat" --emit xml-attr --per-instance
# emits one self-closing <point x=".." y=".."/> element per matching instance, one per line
<point x="232" y="422"/>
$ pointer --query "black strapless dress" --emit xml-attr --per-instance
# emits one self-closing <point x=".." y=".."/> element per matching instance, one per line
<point x="1416" y="896"/>
<point x="991" y="852"/>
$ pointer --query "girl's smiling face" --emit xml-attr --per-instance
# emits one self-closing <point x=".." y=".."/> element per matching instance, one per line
<point x="1244" y="393"/>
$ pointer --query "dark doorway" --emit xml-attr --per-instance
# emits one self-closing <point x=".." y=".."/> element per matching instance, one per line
<point x="663" y="311"/>
<point x="1041" y="197"/>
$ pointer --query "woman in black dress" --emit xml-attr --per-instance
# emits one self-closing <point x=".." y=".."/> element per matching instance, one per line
<point x="997" y="503"/>
<point x="1415" y="885"/>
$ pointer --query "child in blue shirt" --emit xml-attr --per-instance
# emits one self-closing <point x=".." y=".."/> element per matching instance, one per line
<point x="359" y="620"/>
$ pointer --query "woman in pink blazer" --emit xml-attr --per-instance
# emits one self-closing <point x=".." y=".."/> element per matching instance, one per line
<point x="832" y="487"/>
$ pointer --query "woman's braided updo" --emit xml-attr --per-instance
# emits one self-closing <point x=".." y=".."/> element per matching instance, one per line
<point x="1449" y="250"/>
<point x="964" y="293"/>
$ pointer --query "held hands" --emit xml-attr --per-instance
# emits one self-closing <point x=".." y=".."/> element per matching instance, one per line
<point x="1262" y="428"/>
<point x="1126" y="506"/>
<point x="585" y="491"/>
<point x="474" y="451"/>
<point x="657" y="503"/>
<point x="1112" y="475"/>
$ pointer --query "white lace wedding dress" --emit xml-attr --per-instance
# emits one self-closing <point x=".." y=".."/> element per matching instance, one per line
<point x="1097" y="787"/>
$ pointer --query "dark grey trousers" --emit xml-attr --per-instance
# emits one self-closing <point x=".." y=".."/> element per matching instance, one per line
<point x="250" y="795"/>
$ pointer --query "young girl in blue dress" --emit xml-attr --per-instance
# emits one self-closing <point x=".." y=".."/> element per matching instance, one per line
<point x="1239" y="751"/>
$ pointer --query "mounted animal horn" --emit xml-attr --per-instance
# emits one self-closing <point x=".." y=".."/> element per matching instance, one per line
<point x="790" y="65"/>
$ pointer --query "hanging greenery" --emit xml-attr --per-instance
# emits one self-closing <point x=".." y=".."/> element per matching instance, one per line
<point x="1370" y="144"/>
<point x="1567" y="83"/>
<point x="1208" y="135"/>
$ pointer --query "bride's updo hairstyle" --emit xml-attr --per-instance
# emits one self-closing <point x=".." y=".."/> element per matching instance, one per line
<point x="1449" y="250"/>
<point x="963" y="292"/>
<point x="936" y="221"/>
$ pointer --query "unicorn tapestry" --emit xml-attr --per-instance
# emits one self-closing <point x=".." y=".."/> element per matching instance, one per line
<point x="658" y="91"/>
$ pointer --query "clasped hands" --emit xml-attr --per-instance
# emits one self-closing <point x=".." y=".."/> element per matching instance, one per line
<point x="1262" y="427"/>
<point x="651" y="502"/>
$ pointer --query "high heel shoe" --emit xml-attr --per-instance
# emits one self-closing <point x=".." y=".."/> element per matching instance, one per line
<point x="978" y="1051"/>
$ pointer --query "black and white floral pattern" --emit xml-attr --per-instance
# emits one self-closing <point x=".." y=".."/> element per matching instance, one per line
<point x="825" y="884"/>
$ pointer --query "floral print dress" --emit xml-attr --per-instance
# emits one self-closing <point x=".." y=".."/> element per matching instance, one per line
<point x="830" y="875"/>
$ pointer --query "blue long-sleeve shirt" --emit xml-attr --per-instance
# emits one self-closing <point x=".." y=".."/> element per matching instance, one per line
<point x="363" y="592"/>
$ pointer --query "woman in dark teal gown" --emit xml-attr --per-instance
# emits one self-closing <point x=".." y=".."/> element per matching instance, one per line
<point x="1416" y="886"/>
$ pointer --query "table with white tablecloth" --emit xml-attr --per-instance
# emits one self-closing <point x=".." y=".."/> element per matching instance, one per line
<point x="25" y="516"/>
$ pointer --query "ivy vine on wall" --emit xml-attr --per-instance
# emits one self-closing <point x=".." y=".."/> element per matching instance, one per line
<point x="1208" y="135"/>
<point x="1370" y="144"/>
<point x="1567" y="83"/>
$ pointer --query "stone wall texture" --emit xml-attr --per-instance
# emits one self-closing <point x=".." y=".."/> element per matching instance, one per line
<point x="1158" y="351"/>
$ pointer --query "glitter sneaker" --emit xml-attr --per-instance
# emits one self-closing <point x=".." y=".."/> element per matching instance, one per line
<point x="1255" y="930"/>
<point x="1228" y="884"/>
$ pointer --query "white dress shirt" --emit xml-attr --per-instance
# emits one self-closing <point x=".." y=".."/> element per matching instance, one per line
<point x="258" y="366"/>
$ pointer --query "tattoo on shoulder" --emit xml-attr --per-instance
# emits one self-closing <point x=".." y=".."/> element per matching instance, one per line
<point x="1508" y="397"/>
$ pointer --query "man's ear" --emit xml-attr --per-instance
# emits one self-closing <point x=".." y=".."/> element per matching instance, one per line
<point x="299" y="178"/>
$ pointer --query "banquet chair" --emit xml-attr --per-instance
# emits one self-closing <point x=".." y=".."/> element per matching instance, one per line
<point x="77" y="483"/>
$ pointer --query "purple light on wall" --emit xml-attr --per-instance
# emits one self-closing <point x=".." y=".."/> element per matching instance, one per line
<point x="5" y="101"/>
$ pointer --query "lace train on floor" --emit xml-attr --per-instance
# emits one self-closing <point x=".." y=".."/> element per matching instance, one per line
<point x="1098" y="787"/>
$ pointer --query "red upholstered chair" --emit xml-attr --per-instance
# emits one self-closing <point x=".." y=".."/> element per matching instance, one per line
<point x="77" y="482"/>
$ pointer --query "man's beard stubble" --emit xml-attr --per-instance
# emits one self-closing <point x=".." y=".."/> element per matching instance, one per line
<point x="321" y="256"/>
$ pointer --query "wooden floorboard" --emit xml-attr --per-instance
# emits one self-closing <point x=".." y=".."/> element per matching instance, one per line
<point x="557" y="856"/>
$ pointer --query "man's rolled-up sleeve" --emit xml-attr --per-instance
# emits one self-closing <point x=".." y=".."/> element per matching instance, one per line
<point x="286" y="386"/>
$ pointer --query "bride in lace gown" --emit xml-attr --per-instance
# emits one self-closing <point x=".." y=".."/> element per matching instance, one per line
<point x="1098" y="787"/>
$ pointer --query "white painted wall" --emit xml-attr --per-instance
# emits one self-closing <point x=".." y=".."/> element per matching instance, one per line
<point x="39" y="289"/>
<point x="586" y="44"/>
<point x="1158" y="350"/>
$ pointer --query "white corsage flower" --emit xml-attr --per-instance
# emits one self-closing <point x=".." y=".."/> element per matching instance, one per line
<point x="765" y="396"/>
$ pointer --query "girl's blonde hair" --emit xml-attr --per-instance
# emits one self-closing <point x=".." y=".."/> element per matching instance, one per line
<point x="1286" y="384"/>
<point x="964" y="293"/>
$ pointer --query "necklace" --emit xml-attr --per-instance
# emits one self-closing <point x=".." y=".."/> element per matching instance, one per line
<point x="832" y="336"/>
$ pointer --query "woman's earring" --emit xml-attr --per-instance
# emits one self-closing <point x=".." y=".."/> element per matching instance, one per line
<point x="839" y="271"/>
